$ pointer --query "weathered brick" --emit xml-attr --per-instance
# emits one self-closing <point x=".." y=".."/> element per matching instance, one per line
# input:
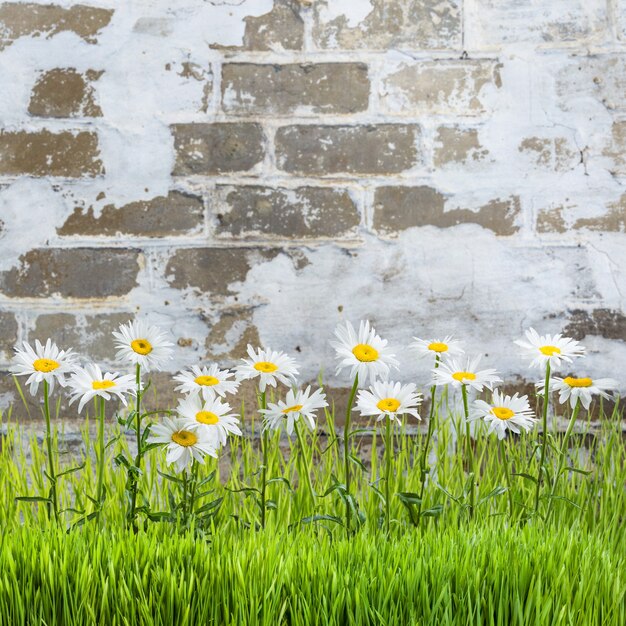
<point x="43" y="153"/>
<point x="440" y="87"/>
<point x="305" y="212"/>
<point x="456" y="145"/>
<point x="88" y="335"/>
<point x="210" y="270"/>
<point x="409" y="24"/>
<point x="616" y="148"/>
<point x="320" y="150"/>
<point x="399" y="208"/>
<point x="603" y="322"/>
<point x="493" y="23"/>
<point x="72" y="273"/>
<point x="217" y="148"/>
<point x="65" y="93"/>
<point x="280" y="29"/>
<point x="613" y="220"/>
<point x="557" y="220"/>
<point x="551" y="220"/>
<point x="8" y="334"/>
<point x="552" y="153"/>
<point x="175" y="214"/>
<point x="599" y="77"/>
<point x="230" y="335"/>
<point x="29" y="19"/>
<point x="249" y="88"/>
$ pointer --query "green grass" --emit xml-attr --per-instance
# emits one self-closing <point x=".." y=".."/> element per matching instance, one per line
<point x="490" y="568"/>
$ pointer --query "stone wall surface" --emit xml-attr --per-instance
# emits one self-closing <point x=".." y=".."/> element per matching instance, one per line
<point x="256" y="171"/>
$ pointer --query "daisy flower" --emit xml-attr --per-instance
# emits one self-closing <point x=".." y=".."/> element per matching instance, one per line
<point x="44" y="363"/>
<point x="210" y="416"/>
<point x="296" y="405"/>
<point x="365" y="353"/>
<point x="387" y="399"/>
<point x="580" y="388"/>
<point x="142" y="345"/>
<point x="269" y="366"/>
<point x="89" y="382"/>
<point x="183" y="445"/>
<point x="552" y="349"/>
<point x="437" y="347"/>
<point x="206" y="381"/>
<point x="505" y="413"/>
<point x="457" y="373"/>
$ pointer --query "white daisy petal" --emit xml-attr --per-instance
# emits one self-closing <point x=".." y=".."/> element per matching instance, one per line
<point x="505" y="413"/>
<point x="388" y="399"/>
<point x="365" y="352"/>
<point x="182" y="443"/>
<point x="457" y="373"/>
<point x="552" y="349"/>
<point x="89" y="381"/>
<point x="269" y="367"/>
<point x="213" y="417"/>
<point x="143" y="345"/>
<point x="207" y="381"/>
<point x="583" y="389"/>
<point x="446" y="347"/>
<point x="296" y="405"/>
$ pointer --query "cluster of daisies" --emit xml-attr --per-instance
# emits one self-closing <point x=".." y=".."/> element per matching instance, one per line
<point x="204" y="419"/>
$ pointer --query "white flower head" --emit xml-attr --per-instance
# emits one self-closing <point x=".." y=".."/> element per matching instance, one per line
<point x="44" y="363"/>
<point x="297" y="404"/>
<point x="143" y="345"/>
<point x="552" y="349"/>
<point x="456" y="373"/>
<point x="365" y="353"/>
<point x="268" y="366"/>
<point x="89" y="382"/>
<point x="388" y="399"/>
<point x="206" y="381"/>
<point x="183" y="445"/>
<point x="583" y="389"/>
<point x="211" y="416"/>
<point x="505" y="413"/>
<point x="446" y="347"/>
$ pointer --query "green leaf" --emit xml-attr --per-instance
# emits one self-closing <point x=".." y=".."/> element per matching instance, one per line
<point x="171" y="478"/>
<point x="357" y="461"/>
<point x="498" y="491"/>
<point x="320" y="518"/>
<point x="72" y="470"/>
<point x="526" y="476"/>
<point x="406" y="497"/>
<point x="215" y="504"/>
<point x="271" y="504"/>
<point x="281" y="479"/>
<point x="434" y="511"/>
<point x="33" y="499"/>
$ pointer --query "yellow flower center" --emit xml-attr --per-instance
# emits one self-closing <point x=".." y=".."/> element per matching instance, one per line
<point x="206" y="381"/>
<point x="206" y="417"/>
<point x="265" y="366"/>
<point x="502" y="412"/>
<point x="184" y="438"/>
<point x="102" y="384"/>
<point x="389" y="405"/>
<point x="292" y="409"/>
<point x="45" y="365"/>
<point x="578" y="382"/>
<point x="438" y="346"/>
<point x="141" y="346"/>
<point x="550" y="350"/>
<point x="463" y="376"/>
<point x="365" y="353"/>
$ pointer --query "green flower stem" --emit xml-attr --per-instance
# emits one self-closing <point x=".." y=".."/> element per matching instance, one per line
<point x="424" y="457"/>
<point x="544" y="435"/>
<point x="305" y="468"/>
<point x="53" y="507"/>
<point x="388" y="455"/>
<point x="563" y="454"/>
<point x="194" y="481"/>
<point x="264" y="444"/>
<point x="470" y="459"/>
<point x="100" y="481"/>
<point x="134" y="477"/>
<point x="346" y="449"/>
<point x="507" y="475"/>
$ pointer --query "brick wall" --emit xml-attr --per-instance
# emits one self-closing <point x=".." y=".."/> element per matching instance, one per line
<point x="255" y="171"/>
